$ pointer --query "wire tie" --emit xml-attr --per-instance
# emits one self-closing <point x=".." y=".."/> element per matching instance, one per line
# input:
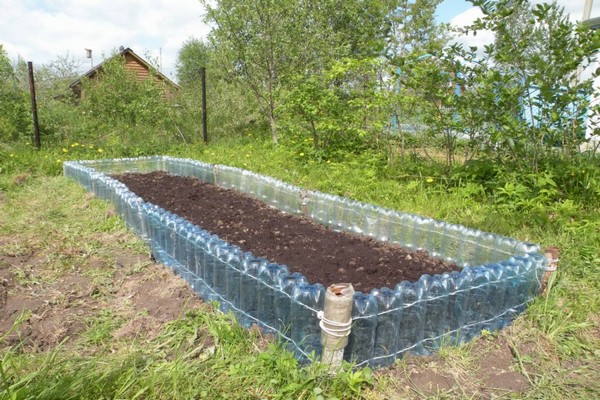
<point x="339" y="329"/>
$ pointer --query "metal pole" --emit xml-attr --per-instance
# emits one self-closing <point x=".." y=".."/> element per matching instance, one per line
<point x="36" y="127"/>
<point x="204" y="126"/>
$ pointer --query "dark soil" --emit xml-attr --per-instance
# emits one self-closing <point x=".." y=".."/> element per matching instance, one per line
<point x="319" y="253"/>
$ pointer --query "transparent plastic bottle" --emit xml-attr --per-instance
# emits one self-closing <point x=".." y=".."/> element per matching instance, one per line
<point x="190" y="274"/>
<point x="220" y="273"/>
<point x="372" y="218"/>
<point x="420" y="232"/>
<point x="436" y="238"/>
<point x="153" y="219"/>
<point x="528" y="279"/>
<point x="453" y="243"/>
<point x="339" y="212"/>
<point x="283" y="299"/>
<point x="435" y="323"/>
<point x="384" y="224"/>
<point x="389" y="306"/>
<point x="469" y="247"/>
<point x="235" y="261"/>
<point x="199" y="249"/>
<point x="306" y="334"/>
<point x="452" y="319"/>
<point x="268" y="283"/>
<point x="182" y="247"/>
<point x="210" y="264"/>
<point x="361" y="342"/>
<point x="249" y="288"/>
<point x="170" y="223"/>
<point x="479" y="303"/>
<point x="485" y="253"/>
<point x="406" y="231"/>
<point x="496" y="291"/>
<point x="464" y="282"/>
<point x="410" y="333"/>
<point x="356" y="217"/>
<point x="515" y="295"/>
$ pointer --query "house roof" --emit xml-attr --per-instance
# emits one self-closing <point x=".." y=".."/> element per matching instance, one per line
<point x="122" y="53"/>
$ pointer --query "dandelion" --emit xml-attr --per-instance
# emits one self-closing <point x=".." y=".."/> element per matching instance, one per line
<point x="65" y="150"/>
<point x="429" y="180"/>
<point x="11" y="155"/>
<point x="75" y="144"/>
<point x="301" y="154"/>
<point x="100" y="151"/>
<point x="328" y="161"/>
<point x="58" y="161"/>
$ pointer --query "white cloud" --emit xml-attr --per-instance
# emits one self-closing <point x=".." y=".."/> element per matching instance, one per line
<point x="41" y="30"/>
<point x="466" y="18"/>
<point x="483" y="37"/>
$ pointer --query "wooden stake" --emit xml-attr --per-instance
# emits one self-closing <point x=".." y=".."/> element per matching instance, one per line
<point x="336" y="321"/>
<point x="552" y="254"/>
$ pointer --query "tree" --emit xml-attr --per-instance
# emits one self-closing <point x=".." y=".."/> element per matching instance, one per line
<point x="415" y="30"/>
<point x="267" y="45"/>
<point x="253" y="43"/>
<point x="117" y="95"/>
<point x="193" y="55"/>
<point x="232" y="109"/>
<point x="542" y="52"/>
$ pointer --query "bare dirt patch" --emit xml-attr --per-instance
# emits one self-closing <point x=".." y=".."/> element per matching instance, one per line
<point x="144" y="295"/>
<point x="319" y="253"/>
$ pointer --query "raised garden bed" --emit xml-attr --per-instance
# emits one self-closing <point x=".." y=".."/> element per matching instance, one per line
<point x="494" y="279"/>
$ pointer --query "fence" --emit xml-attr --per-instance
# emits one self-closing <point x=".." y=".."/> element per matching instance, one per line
<point x="499" y="275"/>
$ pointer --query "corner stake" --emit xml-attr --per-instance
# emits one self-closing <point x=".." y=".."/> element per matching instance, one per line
<point x="336" y="321"/>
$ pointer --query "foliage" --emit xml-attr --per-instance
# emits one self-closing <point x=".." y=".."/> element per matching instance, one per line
<point x="118" y="96"/>
<point x="414" y="30"/>
<point x="343" y="110"/>
<point x="266" y="46"/>
<point x="231" y="110"/>
<point x="14" y="106"/>
<point x="546" y="57"/>
<point x="193" y="55"/>
<point x="519" y="102"/>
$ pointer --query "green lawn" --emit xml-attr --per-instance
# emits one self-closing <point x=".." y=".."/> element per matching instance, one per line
<point x="52" y="232"/>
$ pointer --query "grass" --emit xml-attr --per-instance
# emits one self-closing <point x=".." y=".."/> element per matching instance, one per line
<point x="555" y="346"/>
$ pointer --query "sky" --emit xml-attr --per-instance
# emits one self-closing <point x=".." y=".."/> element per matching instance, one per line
<point x="42" y="30"/>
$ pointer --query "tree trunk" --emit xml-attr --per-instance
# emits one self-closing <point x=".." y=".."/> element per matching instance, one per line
<point x="273" y="125"/>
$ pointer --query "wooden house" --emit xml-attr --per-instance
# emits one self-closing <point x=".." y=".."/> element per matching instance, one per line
<point x="142" y="69"/>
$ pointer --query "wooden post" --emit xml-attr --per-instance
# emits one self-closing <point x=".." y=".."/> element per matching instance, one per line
<point x="204" y="125"/>
<point x="36" y="127"/>
<point x="552" y="254"/>
<point x="336" y="322"/>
